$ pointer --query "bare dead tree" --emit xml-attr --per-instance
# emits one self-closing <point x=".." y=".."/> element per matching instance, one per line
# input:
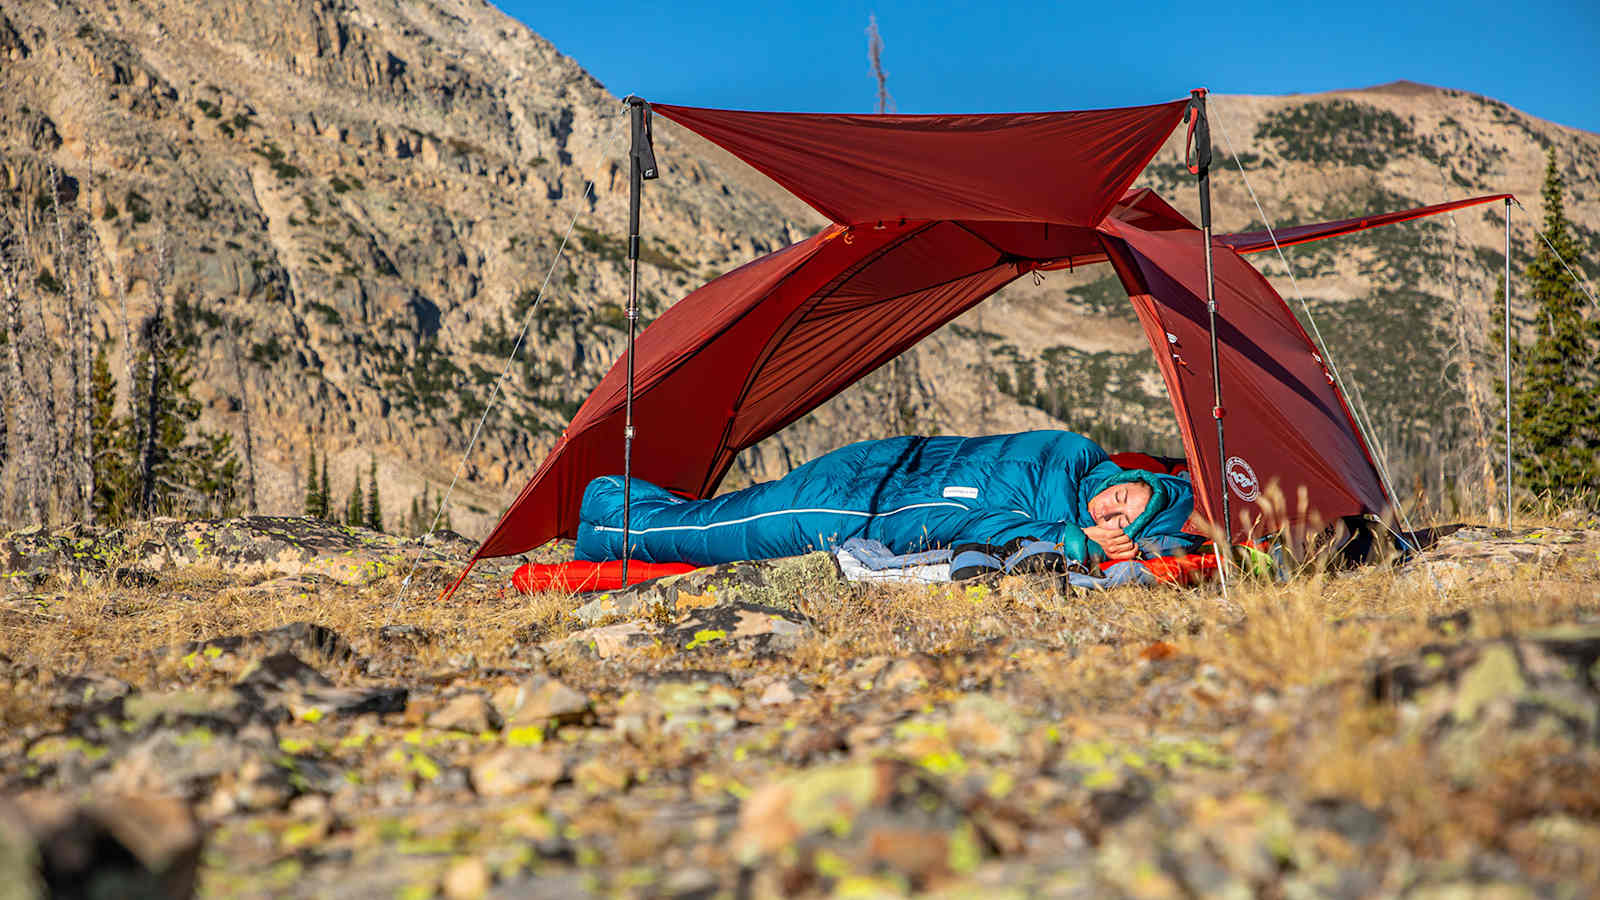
<point x="244" y="410"/>
<point x="154" y="335"/>
<point x="875" y="56"/>
<point x="84" y="267"/>
<point x="45" y="472"/>
<point x="985" y="378"/>
<point x="8" y="389"/>
<point x="899" y="375"/>
<point x="127" y="325"/>
<point x="26" y="409"/>
<point x="76" y="451"/>
<point x="1471" y="330"/>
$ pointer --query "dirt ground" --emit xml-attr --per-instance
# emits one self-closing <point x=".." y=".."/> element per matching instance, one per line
<point x="264" y="707"/>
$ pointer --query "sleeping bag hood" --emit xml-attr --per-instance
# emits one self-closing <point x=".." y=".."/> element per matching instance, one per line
<point x="1171" y="499"/>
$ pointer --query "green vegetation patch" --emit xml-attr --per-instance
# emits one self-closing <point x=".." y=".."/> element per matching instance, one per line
<point x="615" y="249"/>
<point x="1343" y="131"/>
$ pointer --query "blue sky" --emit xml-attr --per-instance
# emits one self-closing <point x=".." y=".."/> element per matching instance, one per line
<point x="1541" y="57"/>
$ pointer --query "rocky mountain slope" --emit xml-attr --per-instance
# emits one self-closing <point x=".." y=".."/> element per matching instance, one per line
<point x="359" y="201"/>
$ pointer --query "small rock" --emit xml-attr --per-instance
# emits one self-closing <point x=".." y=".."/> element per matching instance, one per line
<point x="689" y="883"/>
<point x="195" y="760"/>
<point x="920" y="853"/>
<point x="597" y="775"/>
<point x="469" y="712"/>
<point x="864" y="735"/>
<point x="609" y="606"/>
<point x="807" y="742"/>
<point x="864" y="674"/>
<point x="779" y="813"/>
<point x="136" y="845"/>
<point x="906" y="675"/>
<point x="1112" y="806"/>
<point x="746" y="626"/>
<point x="1347" y="818"/>
<point x="319" y="703"/>
<point x="83" y="691"/>
<point x="309" y="806"/>
<point x="467" y="879"/>
<point x="609" y="641"/>
<point x="280" y="672"/>
<point x="404" y="635"/>
<point x="182" y="707"/>
<point x="1578" y="518"/>
<point x="514" y="769"/>
<point x="543" y="699"/>
<point x="786" y="690"/>
<point x="306" y="637"/>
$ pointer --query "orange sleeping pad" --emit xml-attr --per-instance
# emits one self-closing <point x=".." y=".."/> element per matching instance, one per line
<point x="580" y="575"/>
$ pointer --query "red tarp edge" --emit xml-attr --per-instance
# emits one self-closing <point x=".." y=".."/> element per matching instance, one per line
<point x="1059" y="167"/>
<point x="1257" y="241"/>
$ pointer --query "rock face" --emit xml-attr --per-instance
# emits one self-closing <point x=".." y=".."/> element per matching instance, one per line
<point x="359" y="201"/>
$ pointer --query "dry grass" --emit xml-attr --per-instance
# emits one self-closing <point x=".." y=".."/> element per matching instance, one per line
<point x="1276" y="674"/>
<point x="1304" y="632"/>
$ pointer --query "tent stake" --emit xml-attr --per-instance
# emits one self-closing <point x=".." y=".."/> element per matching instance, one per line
<point x="1508" y="361"/>
<point x="1200" y="130"/>
<point x="641" y="166"/>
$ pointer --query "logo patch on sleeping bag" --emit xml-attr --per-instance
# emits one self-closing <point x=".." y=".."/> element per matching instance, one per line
<point x="961" y="493"/>
<point x="1242" y="479"/>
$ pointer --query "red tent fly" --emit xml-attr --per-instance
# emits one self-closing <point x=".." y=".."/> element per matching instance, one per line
<point x="931" y="215"/>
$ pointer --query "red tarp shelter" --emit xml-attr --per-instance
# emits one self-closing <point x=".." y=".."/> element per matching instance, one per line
<point x="932" y="214"/>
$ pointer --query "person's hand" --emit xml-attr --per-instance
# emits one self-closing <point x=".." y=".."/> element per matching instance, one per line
<point x="1116" y="544"/>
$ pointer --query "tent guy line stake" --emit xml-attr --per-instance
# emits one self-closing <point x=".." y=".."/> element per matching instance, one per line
<point x="588" y="189"/>
<point x="1200" y="131"/>
<point x="1365" y="428"/>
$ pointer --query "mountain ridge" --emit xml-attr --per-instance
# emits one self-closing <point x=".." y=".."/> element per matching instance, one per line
<point x="367" y="195"/>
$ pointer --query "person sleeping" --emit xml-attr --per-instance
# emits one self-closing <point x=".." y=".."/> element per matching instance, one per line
<point x="908" y="493"/>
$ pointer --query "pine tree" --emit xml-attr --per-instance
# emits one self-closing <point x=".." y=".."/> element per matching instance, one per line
<point x="115" y="484"/>
<point x="152" y="411"/>
<point x="324" y="494"/>
<point x="1496" y="339"/>
<point x="1555" y="415"/>
<point x="210" y="474"/>
<point x="311" y="507"/>
<point x="428" y="514"/>
<point x="353" y="506"/>
<point x="173" y="470"/>
<point x="374" y="511"/>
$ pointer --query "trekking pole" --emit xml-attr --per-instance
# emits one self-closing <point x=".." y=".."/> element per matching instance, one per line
<point x="1200" y="131"/>
<point x="641" y="166"/>
<point x="1508" y="362"/>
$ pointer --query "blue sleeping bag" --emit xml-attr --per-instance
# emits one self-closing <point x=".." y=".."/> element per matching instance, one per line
<point x="909" y="493"/>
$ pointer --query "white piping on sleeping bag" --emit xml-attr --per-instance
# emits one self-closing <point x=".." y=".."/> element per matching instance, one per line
<point x="779" y="512"/>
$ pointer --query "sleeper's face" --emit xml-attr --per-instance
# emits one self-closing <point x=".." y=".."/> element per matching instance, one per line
<point x="1119" y="505"/>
